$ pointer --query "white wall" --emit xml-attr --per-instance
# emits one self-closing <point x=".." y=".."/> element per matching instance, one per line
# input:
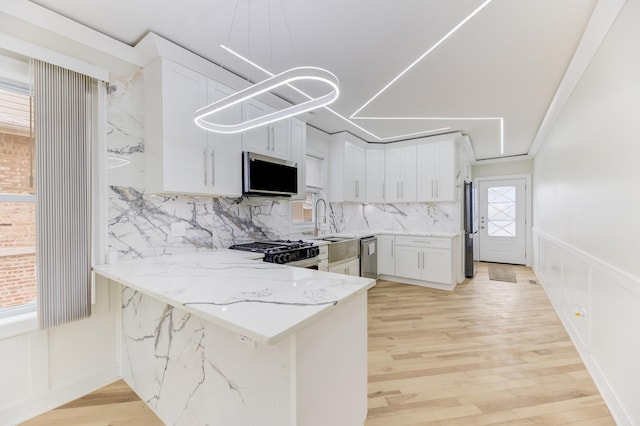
<point x="586" y="210"/>
<point x="514" y="167"/>
<point x="41" y="370"/>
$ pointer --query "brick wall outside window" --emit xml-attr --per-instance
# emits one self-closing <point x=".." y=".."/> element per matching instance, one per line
<point x="17" y="280"/>
<point x="17" y="222"/>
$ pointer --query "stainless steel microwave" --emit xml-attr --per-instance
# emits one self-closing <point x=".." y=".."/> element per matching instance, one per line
<point x="264" y="175"/>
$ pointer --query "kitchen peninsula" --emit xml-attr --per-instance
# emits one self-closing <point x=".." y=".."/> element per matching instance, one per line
<point x="220" y="337"/>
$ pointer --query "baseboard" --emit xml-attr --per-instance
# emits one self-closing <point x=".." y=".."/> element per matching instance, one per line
<point x="26" y="410"/>
<point x="429" y="284"/>
<point x="617" y="409"/>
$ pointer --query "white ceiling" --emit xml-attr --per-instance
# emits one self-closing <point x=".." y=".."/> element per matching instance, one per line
<point x="493" y="78"/>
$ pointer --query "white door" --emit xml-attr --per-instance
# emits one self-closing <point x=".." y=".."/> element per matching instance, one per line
<point x="502" y="221"/>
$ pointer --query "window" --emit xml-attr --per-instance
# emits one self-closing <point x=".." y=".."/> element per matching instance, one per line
<point x="46" y="146"/>
<point x="17" y="191"/>
<point x="302" y="211"/>
<point x="501" y="213"/>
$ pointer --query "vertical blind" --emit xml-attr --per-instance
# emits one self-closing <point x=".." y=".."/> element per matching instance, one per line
<point x="63" y="118"/>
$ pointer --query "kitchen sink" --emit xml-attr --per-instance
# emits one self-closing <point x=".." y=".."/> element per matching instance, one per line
<point x="342" y="248"/>
<point x="336" y="239"/>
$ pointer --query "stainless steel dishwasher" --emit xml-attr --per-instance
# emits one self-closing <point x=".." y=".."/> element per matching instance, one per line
<point x="368" y="257"/>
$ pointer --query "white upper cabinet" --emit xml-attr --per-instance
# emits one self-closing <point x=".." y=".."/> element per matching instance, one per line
<point x="354" y="172"/>
<point x="224" y="152"/>
<point x="348" y="169"/>
<point x="374" y="176"/>
<point x="298" y="134"/>
<point x="436" y="171"/>
<point x="181" y="157"/>
<point x="271" y="140"/>
<point x="400" y="174"/>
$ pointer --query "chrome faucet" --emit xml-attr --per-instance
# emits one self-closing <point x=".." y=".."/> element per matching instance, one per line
<point x="316" y="231"/>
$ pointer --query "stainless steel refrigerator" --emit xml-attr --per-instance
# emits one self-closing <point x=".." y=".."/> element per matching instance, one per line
<point x="470" y="228"/>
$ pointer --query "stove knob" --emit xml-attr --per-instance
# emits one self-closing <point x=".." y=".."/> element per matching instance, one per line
<point x="279" y="258"/>
<point x="315" y="251"/>
<point x="286" y="257"/>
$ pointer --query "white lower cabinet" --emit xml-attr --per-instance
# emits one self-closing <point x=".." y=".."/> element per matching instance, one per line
<point x="386" y="254"/>
<point x="408" y="262"/>
<point x="425" y="259"/>
<point x="350" y="267"/>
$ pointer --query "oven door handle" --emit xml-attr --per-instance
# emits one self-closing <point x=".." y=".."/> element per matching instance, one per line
<point x="305" y="263"/>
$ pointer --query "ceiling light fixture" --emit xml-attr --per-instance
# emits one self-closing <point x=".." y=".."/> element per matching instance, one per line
<point x="421" y="57"/>
<point x="203" y="115"/>
<point x="408" y="135"/>
<point x="500" y="119"/>
<point x="337" y="114"/>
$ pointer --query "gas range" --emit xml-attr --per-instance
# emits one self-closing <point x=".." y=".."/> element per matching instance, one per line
<point x="281" y="251"/>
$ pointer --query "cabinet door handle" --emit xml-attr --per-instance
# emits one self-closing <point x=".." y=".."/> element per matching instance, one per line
<point x="204" y="155"/>
<point x="392" y="248"/>
<point x="418" y="260"/>
<point x="432" y="185"/>
<point x="213" y="168"/>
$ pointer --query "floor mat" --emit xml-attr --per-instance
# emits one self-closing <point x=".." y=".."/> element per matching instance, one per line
<point x="498" y="273"/>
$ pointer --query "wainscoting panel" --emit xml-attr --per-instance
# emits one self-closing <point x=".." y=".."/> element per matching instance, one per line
<point x="599" y="306"/>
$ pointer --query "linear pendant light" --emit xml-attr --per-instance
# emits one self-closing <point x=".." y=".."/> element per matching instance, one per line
<point x="203" y="116"/>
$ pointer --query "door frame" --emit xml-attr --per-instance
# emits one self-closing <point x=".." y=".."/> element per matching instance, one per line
<point x="528" y="246"/>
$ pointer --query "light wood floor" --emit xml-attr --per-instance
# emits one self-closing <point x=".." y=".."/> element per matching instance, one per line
<point x="489" y="353"/>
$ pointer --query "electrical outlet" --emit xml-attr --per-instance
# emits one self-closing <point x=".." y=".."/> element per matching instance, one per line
<point x="178" y="229"/>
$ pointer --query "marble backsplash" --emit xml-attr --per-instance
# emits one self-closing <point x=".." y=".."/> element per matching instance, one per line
<point x="140" y="224"/>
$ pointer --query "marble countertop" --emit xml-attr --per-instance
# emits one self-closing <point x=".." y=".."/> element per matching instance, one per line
<point x="263" y="301"/>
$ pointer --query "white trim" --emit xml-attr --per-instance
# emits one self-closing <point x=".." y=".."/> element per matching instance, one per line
<point x="17" y="198"/>
<point x="99" y="191"/>
<point x="618" y="274"/>
<point x="51" y="21"/>
<point x="602" y="18"/>
<point x="34" y="51"/>
<point x="16" y="251"/>
<point x="528" y="250"/>
<point x="18" y="324"/>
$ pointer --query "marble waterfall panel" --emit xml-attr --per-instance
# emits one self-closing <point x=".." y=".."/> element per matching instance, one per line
<point x="191" y="372"/>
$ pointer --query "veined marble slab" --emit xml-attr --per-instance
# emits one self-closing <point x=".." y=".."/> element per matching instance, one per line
<point x="263" y="301"/>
